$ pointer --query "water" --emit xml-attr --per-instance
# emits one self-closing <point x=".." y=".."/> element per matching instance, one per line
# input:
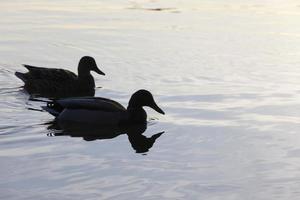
<point x="225" y="72"/>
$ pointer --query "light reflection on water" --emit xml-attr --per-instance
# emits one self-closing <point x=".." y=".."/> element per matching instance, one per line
<point x="225" y="73"/>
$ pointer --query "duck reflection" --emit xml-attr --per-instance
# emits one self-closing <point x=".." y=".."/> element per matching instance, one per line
<point x="139" y="142"/>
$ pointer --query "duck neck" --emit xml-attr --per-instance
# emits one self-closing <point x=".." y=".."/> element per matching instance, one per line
<point x="83" y="72"/>
<point x="137" y="114"/>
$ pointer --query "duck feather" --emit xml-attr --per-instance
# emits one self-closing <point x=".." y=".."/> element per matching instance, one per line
<point x="95" y="103"/>
<point x="51" y="74"/>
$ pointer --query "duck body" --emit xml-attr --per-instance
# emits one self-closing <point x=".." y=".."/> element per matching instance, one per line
<point x="102" y="111"/>
<point x="54" y="82"/>
<point x="86" y="116"/>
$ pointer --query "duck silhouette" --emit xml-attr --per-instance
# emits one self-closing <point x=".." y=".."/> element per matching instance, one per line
<point x="58" y="83"/>
<point x="139" y="142"/>
<point x="102" y="111"/>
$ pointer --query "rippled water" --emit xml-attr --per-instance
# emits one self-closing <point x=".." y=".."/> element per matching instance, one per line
<point x="225" y="72"/>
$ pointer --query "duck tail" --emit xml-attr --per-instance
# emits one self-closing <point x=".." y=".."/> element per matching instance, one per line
<point x="53" y="108"/>
<point x="21" y="76"/>
<point x="50" y="110"/>
<point x="30" y="67"/>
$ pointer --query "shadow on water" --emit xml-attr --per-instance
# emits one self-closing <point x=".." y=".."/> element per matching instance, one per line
<point x="139" y="142"/>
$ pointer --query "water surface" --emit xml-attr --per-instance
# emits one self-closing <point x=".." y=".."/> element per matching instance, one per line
<point x="225" y="72"/>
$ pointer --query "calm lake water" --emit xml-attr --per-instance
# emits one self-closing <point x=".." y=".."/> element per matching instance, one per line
<point x="227" y="74"/>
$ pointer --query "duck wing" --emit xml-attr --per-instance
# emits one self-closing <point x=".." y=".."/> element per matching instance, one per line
<point x="53" y="74"/>
<point x="86" y="103"/>
<point x="91" y="103"/>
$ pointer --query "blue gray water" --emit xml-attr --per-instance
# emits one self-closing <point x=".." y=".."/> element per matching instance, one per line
<point x="227" y="74"/>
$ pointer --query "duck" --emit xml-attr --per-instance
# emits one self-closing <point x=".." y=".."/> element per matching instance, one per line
<point x="59" y="83"/>
<point x="102" y="111"/>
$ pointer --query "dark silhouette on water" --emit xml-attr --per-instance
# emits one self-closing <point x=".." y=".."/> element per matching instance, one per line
<point x="139" y="142"/>
<point x="57" y="83"/>
<point x="102" y="111"/>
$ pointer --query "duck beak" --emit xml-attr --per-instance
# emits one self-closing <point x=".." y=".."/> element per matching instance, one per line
<point x="98" y="71"/>
<point x="156" y="108"/>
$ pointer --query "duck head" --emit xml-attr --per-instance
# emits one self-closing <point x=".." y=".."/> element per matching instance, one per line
<point x="87" y="64"/>
<point x="143" y="98"/>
